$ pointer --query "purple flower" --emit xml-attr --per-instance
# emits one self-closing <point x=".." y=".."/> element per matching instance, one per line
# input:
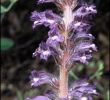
<point x="38" y="98"/>
<point x="82" y="89"/>
<point x="55" y="38"/>
<point x="43" y="51"/>
<point x="84" y="46"/>
<point x="65" y="98"/>
<point x="41" y="77"/>
<point x="51" y="94"/>
<point x="80" y="26"/>
<point x="85" y="10"/>
<point x="82" y="35"/>
<point x="46" y="18"/>
<point x="82" y="52"/>
<point x="81" y="58"/>
<point x="45" y="1"/>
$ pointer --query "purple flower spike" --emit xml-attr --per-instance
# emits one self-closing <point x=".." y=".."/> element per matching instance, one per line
<point x="41" y="77"/>
<point x="43" y="51"/>
<point x="82" y="89"/>
<point x="46" y="18"/>
<point x="69" y="41"/>
<point x="38" y="98"/>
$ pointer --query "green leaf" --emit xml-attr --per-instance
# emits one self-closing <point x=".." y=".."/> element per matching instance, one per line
<point x="19" y="95"/>
<point x="29" y="93"/>
<point x="6" y="43"/>
<point x="3" y="9"/>
<point x="100" y="87"/>
<point x="7" y="5"/>
<point x="92" y="64"/>
<point x="108" y="95"/>
<point x="13" y="1"/>
<point x="100" y="65"/>
<point x="98" y="74"/>
<point x="80" y="67"/>
<point x="73" y="75"/>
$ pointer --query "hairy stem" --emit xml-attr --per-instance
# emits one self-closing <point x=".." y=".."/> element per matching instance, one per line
<point x="63" y="89"/>
<point x="63" y="82"/>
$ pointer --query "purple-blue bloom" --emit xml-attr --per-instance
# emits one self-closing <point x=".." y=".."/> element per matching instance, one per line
<point x="46" y="18"/>
<point x="81" y="89"/>
<point x="82" y="52"/>
<point x="82" y="35"/>
<point x="55" y="38"/>
<point x="41" y="77"/>
<point x="43" y="51"/>
<point x="68" y="42"/>
<point x="80" y="27"/>
<point x="51" y="94"/>
<point x="45" y="1"/>
<point x="85" y="10"/>
<point x="38" y="98"/>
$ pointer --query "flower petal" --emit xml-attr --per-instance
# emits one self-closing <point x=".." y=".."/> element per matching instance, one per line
<point x="43" y="51"/>
<point x="55" y="38"/>
<point x="46" y="18"/>
<point x="85" y="10"/>
<point x="38" y="98"/>
<point x="80" y="88"/>
<point x="51" y="94"/>
<point x="80" y="26"/>
<point x="41" y="77"/>
<point x="45" y="1"/>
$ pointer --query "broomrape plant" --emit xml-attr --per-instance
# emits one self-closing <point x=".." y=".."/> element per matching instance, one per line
<point x="69" y="42"/>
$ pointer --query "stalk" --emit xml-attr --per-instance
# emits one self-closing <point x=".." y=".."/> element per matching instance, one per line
<point x="63" y="82"/>
<point x="63" y="89"/>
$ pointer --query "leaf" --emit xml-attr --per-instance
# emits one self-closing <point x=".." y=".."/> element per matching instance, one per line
<point x="92" y="64"/>
<point x="6" y="43"/>
<point x="9" y="4"/>
<point x="73" y="74"/>
<point x="3" y="9"/>
<point x="98" y="74"/>
<point x="19" y="95"/>
<point x="108" y="95"/>
<point x="80" y="67"/>
<point x="100" y="65"/>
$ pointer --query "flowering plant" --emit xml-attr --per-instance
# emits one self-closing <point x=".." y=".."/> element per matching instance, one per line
<point x="69" y="42"/>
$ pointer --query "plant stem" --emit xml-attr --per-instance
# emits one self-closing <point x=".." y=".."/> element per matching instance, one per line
<point x="63" y="89"/>
<point x="63" y="82"/>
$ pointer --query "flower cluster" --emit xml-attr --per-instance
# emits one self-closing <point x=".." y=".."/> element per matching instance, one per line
<point x="69" y="42"/>
<point x="82" y="89"/>
<point x="71" y="29"/>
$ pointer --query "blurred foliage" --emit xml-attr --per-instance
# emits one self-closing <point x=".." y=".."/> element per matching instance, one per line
<point x="98" y="65"/>
<point x="19" y="95"/>
<point x="6" y="43"/>
<point x="99" y="71"/>
<point x="6" y="5"/>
